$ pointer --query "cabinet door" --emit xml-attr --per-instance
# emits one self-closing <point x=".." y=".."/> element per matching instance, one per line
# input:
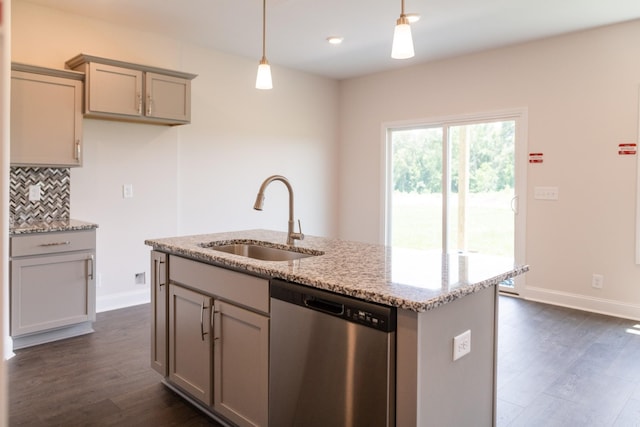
<point x="46" y="120"/>
<point x="113" y="90"/>
<point x="159" y="313"/>
<point x="51" y="291"/>
<point x="190" y="342"/>
<point x="241" y="374"/>
<point x="167" y="97"/>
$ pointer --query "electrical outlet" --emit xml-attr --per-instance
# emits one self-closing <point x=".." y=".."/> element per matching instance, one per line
<point x="140" y="278"/>
<point x="35" y="193"/>
<point x="597" y="281"/>
<point x="462" y="344"/>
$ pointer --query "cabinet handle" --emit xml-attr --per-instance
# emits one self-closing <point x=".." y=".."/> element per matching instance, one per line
<point x="215" y="313"/>
<point x="90" y="261"/>
<point x="46" y="245"/>
<point x="202" y="332"/>
<point x="139" y="96"/>
<point x="78" y="150"/>
<point x="149" y="102"/>
<point x="157" y="264"/>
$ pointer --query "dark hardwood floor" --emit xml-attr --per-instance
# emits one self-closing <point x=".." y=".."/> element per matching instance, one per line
<point x="556" y="367"/>
<point x="100" y="379"/>
<point x="569" y="368"/>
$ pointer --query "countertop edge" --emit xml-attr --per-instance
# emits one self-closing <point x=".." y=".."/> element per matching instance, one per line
<point x="268" y="269"/>
<point x="51" y="227"/>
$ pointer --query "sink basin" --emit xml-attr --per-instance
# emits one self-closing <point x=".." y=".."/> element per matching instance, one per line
<point x="264" y="251"/>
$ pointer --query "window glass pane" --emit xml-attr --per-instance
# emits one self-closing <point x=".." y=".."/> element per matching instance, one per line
<point x="482" y="171"/>
<point x="416" y="199"/>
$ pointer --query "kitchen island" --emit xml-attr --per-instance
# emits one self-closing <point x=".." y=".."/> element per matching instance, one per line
<point x="437" y="297"/>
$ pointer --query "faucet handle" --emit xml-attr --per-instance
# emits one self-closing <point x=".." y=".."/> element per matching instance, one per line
<point x="299" y="235"/>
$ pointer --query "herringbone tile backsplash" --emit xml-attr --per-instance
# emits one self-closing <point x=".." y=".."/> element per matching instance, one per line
<point x="55" y="200"/>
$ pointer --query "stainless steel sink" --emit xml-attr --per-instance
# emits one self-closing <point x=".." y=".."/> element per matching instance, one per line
<point x="261" y="250"/>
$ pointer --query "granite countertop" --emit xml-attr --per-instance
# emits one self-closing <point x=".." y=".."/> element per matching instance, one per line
<point x="403" y="278"/>
<point x="49" y="226"/>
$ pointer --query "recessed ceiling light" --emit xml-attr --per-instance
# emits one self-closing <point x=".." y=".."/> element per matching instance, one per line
<point x="335" y="39"/>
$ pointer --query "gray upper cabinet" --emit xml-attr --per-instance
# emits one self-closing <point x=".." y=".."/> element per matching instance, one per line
<point x="113" y="90"/>
<point x="46" y="116"/>
<point x="120" y="90"/>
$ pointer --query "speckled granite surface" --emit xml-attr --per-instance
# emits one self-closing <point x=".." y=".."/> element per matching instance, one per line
<point x="407" y="279"/>
<point x="49" y="226"/>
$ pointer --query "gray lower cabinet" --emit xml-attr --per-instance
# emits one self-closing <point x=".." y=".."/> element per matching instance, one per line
<point x="190" y="352"/>
<point x="52" y="286"/>
<point x="159" y="313"/>
<point x="218" y="337"/>
<point x="241" y="364"/>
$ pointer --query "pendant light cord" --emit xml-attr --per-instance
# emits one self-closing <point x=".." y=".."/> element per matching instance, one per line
<point x="264" y="27"/>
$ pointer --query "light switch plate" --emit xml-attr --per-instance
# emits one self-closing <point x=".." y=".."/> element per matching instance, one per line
<point x="546" y="193"/>
<point x="127" y="191"/>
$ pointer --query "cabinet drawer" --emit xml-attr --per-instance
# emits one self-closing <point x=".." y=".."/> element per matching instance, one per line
<point x="51" y="243"/>
<point x="242" y="289"/>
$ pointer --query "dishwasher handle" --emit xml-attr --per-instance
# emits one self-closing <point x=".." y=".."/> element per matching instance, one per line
<point x="372" y="315"/>
<point x="324" y="305"/>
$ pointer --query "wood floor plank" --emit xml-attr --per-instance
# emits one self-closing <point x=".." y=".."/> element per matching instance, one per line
<point x="99" y="379"/>
<point x="556" y="367"/>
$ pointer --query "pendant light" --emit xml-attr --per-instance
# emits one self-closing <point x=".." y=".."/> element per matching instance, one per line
<point x="263" y="79"/>
<point x="402" y="47"/>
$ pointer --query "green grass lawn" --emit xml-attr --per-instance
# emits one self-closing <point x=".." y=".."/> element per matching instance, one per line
<point x="417" y="222"/>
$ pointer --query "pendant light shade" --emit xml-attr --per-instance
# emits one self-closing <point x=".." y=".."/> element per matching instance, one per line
<point x="402" y="47"/>
<point x="263" y="79"/>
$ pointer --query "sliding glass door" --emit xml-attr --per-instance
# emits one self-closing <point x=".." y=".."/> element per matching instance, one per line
<point x="452" y="186"/>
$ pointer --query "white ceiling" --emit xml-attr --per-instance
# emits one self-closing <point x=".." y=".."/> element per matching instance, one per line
<point x="297" y="29"/>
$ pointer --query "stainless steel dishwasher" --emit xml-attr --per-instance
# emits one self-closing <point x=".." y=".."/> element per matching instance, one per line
<point x="331" y="359"/>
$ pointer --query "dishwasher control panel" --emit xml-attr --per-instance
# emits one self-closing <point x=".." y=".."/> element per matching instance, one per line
<point x="368" y="318"/>
<point x="365" y="313"/>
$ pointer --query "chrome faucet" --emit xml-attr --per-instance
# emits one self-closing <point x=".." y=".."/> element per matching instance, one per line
<point x="291" y="235"/>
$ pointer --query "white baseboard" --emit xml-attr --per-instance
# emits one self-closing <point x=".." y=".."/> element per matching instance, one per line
<point x="8" y="348"/>
<point x="581" y="302"/>
<point x="122" y="300"/>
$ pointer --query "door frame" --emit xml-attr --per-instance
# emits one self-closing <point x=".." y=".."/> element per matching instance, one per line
<point x="520" y="116"/>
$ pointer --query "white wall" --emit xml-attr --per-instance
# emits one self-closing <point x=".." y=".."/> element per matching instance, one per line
<point x="581" y="91"/>
<point x="243" y="135"/>
<point x="197" y="178"/>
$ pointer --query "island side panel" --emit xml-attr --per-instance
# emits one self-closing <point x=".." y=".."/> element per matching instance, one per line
<point x="444" y="391"/>
<point x="406" y="368"/>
